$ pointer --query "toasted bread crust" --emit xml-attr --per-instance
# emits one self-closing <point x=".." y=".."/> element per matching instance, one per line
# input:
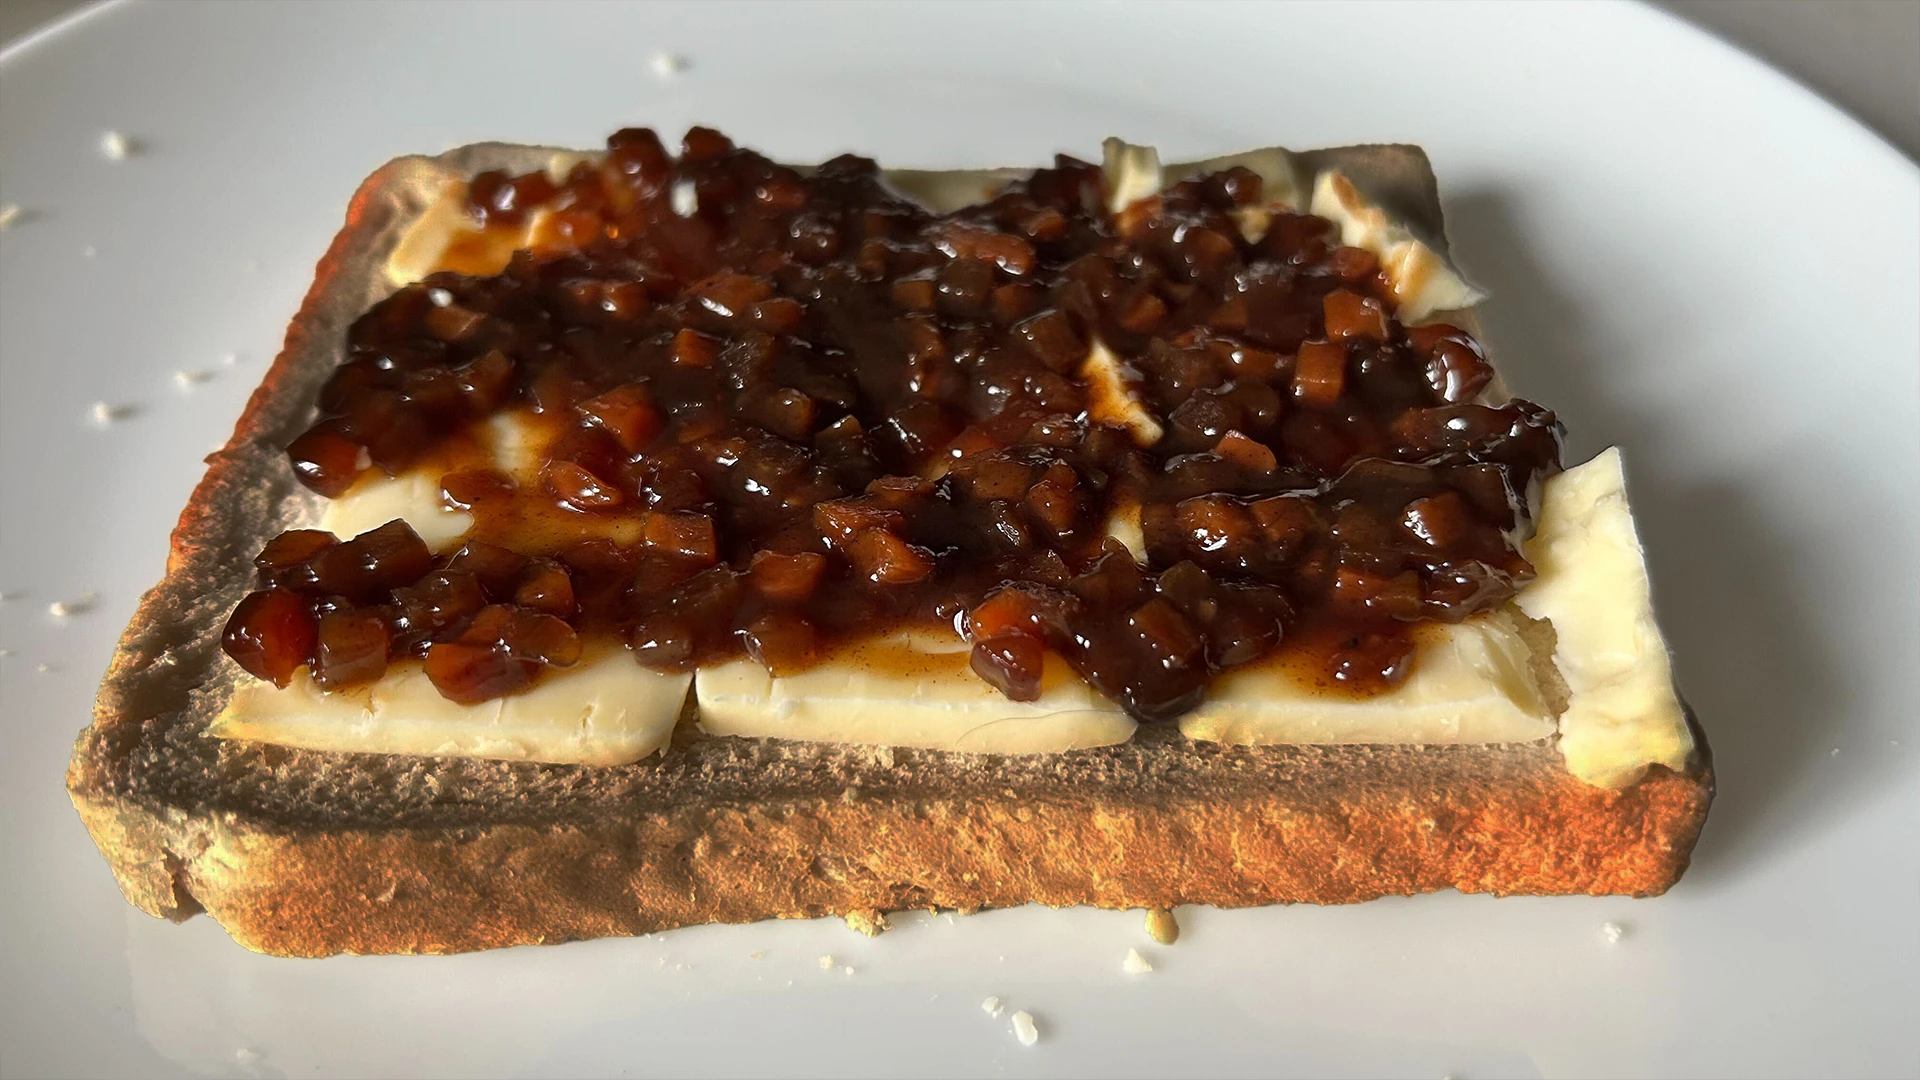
<point x="731" y="830"/>
<point x="308" y="854"/>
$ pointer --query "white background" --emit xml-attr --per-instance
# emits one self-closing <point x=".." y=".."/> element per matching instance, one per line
<point x="1864" y="55"/>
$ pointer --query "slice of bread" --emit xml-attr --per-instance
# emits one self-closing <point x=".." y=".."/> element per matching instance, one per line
<point x="305" y="853"/>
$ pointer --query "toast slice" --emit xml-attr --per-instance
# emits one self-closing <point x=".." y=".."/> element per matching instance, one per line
<point x="310" y="853"/>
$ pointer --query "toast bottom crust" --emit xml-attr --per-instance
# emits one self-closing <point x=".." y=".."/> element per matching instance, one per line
<point x="732" y="830"/>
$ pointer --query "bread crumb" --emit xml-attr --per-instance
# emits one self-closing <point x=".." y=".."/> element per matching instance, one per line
<point x="826" y="963"/>
<point x="756" y="955"/>
<point x="1161" y="926"/>
<point x="10" y="216"/>
<point x="61" y="609"/>
<point x="1613" y="932"/>
<point x="667" y="66"/>
<point x="103" y="413"/>
<point x="230" y="359"/>
<point x="1135" y="964"/>
<point x="115" y="147"/>
<point x="1835" y="752"/>
<point x="89" y="251"/>
<point x="848" y="970"/>
<point x="44" y="668"/>
<point x="993" y="1006"/>
<point x="869" y="923"/>
<point x="190" y="377"/>
<point x="1024" y="1028"/>
<point x="247" y="1056"/>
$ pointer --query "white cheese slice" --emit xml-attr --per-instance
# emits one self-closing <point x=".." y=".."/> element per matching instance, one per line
<point x="1132" y="173"/>
<point x="1111" y="397"/>
<point x="606" y="710"/>
<point x="418" y="251"/>
<point x="516" y="444"/>
<point x="1422" y="281"/>
<point x="563" y="161"/>
<point x="1470" y="683"/>
<point x="421" y="250"/>
<point x="1124" y="524"/>
<point x="413" y="497"/>
<point x="1623" y="713"/>
<point x="907" y="689"/>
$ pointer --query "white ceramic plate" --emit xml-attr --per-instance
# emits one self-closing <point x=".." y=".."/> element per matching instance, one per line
<point x="1690" y="256"/>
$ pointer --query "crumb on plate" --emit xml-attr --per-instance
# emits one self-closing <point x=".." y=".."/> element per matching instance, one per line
<point x="869" y="923"/>
<point x="1161" y="926"/>
<point x="1024" y="1028"/>
<point x="61" y="609"/>
<point x="103" y="413"/>
<point x="667" y="65"/>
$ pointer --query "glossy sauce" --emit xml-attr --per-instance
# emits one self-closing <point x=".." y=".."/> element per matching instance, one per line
<point x="813" y="410"/>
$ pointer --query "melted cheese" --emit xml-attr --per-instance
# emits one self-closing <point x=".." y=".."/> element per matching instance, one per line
<point x="413" y="497"/>
<point x="1124" y="525"/>
<point x="1470" y="683"/>
<point x="907" y="689"/>
<point x="606" y="710"/>
<point x="1132" y="173"/>
<point x="1623" y="713"/>
<point x="1479" y="681"/>
<point x="1422" y="281"/>
<point x="1112" y="397"/>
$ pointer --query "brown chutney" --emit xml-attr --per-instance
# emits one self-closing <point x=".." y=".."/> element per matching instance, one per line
<point x="810" y="410"/>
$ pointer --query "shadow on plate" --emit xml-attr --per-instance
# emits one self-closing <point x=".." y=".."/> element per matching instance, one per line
<point x="1768" y="690"/>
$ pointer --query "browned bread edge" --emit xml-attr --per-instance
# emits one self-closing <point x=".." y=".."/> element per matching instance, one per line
<point x="733" y="830"/>
<point x="303" y="853"/>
